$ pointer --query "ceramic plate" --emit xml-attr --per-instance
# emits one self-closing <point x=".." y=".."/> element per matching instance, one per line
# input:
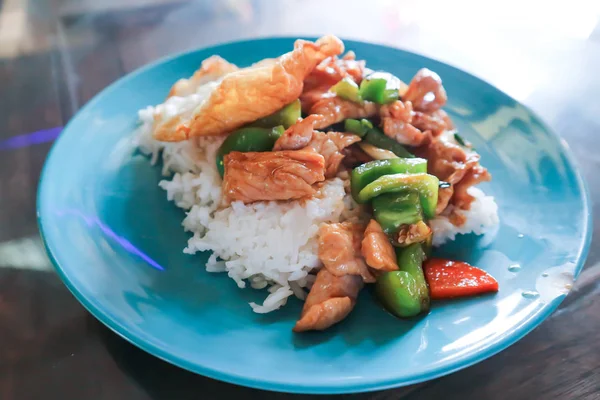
<point x="117" y="244"/>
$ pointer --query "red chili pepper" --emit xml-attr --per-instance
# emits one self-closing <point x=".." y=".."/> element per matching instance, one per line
<point x="448" y="279"/>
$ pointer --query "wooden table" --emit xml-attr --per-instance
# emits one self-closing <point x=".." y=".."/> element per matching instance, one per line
<point x="56" y="54"/>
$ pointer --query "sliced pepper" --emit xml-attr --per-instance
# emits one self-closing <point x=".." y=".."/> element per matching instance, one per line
<point x="397" y="292"/>
<point x="287" y="116"/>
<point x="428" y="246"/>
<point x="357" y="127"/>
<point x="347" y="89"/>
<point x="378" y="139"/>
<point x="410" y="259"/>
<point x="248" y="139"/>
<point x="459" y="139"/>
<point x="449" y="279"/>
<point x="393" y="210"/>
<point x="405" y="293"/>
<point x="380" y="88"/>
<point x="366" y="123"/>
<point x="368" y="172"/>
<point x="425" y="185"/>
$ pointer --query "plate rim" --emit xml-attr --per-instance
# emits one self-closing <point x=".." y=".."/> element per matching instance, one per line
<point x="334" y="387"/>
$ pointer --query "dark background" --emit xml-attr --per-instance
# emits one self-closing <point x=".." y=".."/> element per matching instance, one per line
<point x="55" y="55"/>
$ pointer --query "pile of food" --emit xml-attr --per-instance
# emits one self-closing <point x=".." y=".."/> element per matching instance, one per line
<point x="311" y="175"/>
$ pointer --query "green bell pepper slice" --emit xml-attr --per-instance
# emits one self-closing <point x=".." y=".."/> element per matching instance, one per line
<point x="379" y="139"/>
<point x="287" y="116"/>
<point x="380" y="88"/>
<point x="425" y="185"/>
<point x="410" y="259"/>
<point x="393" y="210"/>
<point x="405" y="293"/>
<point x="248" y="139"/>
<point x="398" y="293"/>
<point x="347" y="89"/>
<point x="357" y="127"/>
<point x="368" y="172"/>
<point x="428" y="246"/>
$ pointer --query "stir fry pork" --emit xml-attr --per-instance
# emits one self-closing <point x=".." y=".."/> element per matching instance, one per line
<point x="426" y="92"/>
<point x="318" y="99"/>
<point x="377" y="249"/>
<point x="330" y="300"/>
<point x="396" y="121"/>
<point x="335" y="109"/>
<point x="299" y="135"/>
<point x="340" y="250"/>
<point x="436" y="122"/>
<point x="333" y="69"/>
<point x="458" y="166"/>
<point x="344" y="272"/>
<point x="418" y="121"/>
<point x="329" y="72"/>
<point x="276" y="175"/>
<point x="330" y="145"/>
<point x="472" y="177"/>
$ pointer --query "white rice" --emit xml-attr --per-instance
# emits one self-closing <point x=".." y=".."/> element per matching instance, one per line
<point x="267" y="244"/>
<point x="482" y="217"/>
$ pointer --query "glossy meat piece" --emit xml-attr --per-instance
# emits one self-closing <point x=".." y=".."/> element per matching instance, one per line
<point x="396" y="122"/>
<point x="309" y="97"/>
<point x="335" y="109"/>
<point x="328" y="73"/>
<point x="354" y="156"/>
<point x="377" y="249"/>
<point x="251" y="93"/>
<point x="456" y="165"/>
<point x="211" y="69"/>
<point x="330" y="145"/>
<point x="426" y="92"/>
<point x="449" y="161"/>
<point x="441" y="114"/>
<point x="275" y="175"/>
<point x="322" y="144"/>
<point x="435" y="122"/>
<point x="444" y="196"/>
<point x="332" y="70"/>
<point x="340" y="250"/>
<point x="474" y="176"/>
<point x="329" y="301"/>
<point x="299" y="135"/>
<point x="399" y="110"/>
<point x="323" y="315"/>
<point x="343" y="139"/>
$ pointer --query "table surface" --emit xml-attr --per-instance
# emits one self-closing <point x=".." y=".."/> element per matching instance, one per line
<point x="57" y="54"/>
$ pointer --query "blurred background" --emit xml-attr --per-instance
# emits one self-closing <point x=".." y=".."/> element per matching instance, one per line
<point x="57" y="54"/>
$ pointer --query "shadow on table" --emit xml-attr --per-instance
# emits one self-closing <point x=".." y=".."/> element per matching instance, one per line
<point x="161" y="380"/>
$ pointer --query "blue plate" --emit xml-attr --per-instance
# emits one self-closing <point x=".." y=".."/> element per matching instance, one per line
<point x="117" y="244"/>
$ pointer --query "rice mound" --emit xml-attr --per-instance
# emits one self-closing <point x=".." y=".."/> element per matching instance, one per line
<point x="482" y="217"/>
<point x="268" y="244"/>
